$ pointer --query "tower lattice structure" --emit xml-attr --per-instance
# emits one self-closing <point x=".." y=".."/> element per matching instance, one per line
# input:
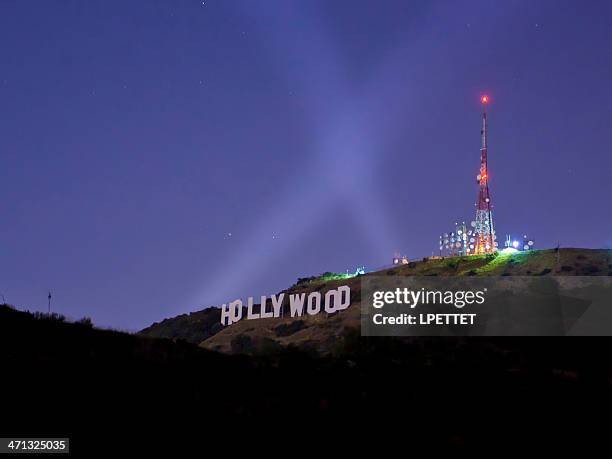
<point x="483" y="229"/>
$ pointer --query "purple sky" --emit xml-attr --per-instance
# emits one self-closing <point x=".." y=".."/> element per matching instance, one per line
<point x="136" y="136"/>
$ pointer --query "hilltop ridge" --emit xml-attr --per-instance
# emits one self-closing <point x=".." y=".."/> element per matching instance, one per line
<point x="325" y="333"/>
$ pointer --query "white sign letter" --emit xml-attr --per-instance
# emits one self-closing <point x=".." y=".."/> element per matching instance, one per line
<point x="225" y="317"/>
<point x="314" y="303"/>
<point x="277" y="302"/>
<point x="296" y="304"/>
<point x="331" y="301"/>
<point x="235" y="310"/>
<point x="343" y="301"/>
<point x="250" y="313"/>
<point x="264" y="314"/>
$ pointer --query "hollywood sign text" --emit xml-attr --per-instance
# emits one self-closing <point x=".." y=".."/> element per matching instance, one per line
<point x="333" y="301"/>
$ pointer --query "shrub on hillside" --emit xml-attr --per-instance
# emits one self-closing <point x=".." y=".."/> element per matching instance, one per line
<point x="241" y="344"/>
<point x="54" y="316"/>
<point x="290" y="328"/>
<point x="85" y="321"/>
<point x="268" y="346"/>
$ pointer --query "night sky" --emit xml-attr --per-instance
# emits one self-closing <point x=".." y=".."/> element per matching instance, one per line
<point x="158" y="157"/>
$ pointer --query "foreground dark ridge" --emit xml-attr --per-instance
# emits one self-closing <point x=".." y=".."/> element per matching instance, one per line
<point x="74" y="380"/>
<point x="72" y="376"/>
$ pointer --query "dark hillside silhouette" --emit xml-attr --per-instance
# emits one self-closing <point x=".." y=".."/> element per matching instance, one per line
<point x="69" y="379"/>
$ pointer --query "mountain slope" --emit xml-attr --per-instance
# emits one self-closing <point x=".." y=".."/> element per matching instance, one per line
<point x="323" y="333"/>
<point x="194" y="327"/>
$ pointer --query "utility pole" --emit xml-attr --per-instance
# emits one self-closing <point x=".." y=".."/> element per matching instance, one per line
<point x="49" y="304"/>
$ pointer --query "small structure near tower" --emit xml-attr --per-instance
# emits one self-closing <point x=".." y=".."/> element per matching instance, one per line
<point x="400" y="260"/>
<point x="456" y="243"/>
<point x="514" y="245"/>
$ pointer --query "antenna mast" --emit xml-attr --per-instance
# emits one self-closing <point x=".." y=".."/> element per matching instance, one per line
<point x="485" y="234"/>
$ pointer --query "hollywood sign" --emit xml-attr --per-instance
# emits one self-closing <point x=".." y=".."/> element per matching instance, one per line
<point x="333" y="301"/>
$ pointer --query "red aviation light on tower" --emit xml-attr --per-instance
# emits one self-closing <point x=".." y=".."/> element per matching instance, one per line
<point x="484" y="99"/>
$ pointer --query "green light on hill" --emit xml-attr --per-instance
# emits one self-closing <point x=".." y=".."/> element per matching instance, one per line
<point x="329" y="276"/>
<point x="498" y="259"/>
